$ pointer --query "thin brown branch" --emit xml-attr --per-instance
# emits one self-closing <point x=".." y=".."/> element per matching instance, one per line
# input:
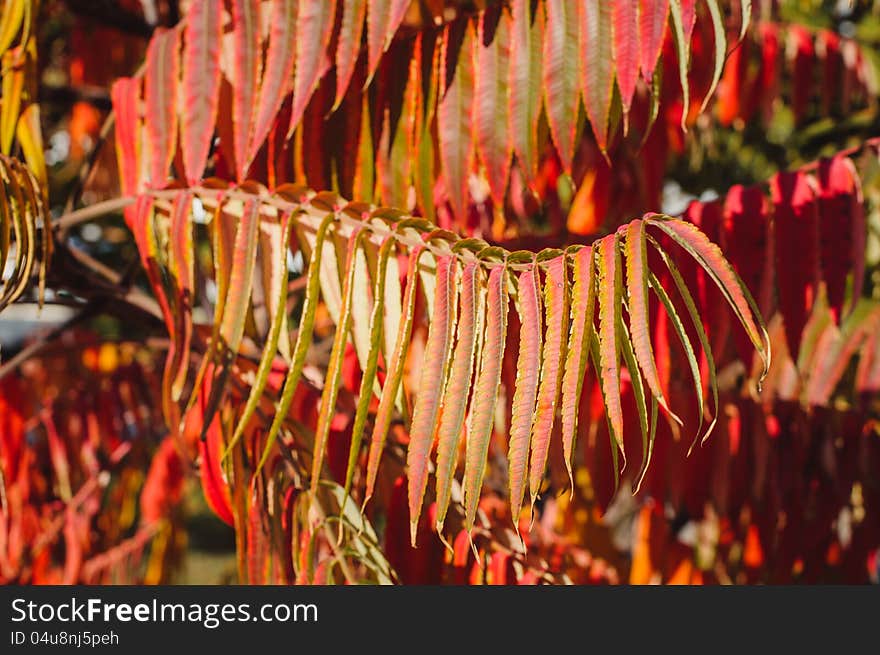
<point x="91" y="212"/>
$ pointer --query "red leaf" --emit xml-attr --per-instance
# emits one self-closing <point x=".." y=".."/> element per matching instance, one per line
<point x="747" y="239"/>
<point x="161" y="104"/>
<point x="804" y="60"/>
<point x="797" y="250"/>
<point x="279" y="68"/>
<point x="314" y="26"/>
<point x="201" y="85"/>
<point x="653" y="16"/>
<point x="626" y="48"/>
<point x="246" y="46"/>
<point x="842" y="228"/>
<point x="126" y="94"/>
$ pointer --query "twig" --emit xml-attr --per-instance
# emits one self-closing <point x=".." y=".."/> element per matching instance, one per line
<point x="91" y="212"/>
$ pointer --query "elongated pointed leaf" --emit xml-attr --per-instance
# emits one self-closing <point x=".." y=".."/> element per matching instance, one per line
<point x="749" y="250"/>
<point x="556" y="314"/>
<point x="125" y="94"/>
<point x="383" y="19"/>
<point x="859" y="326"/>
<point x="10" y="22"/>
<point x="681" y="12"/>
<point x="709" y="256"/>
<point x="652" y="29"/>
<point x="583" y="299"/>
<point x="638" y="389"/>
<point x="720" y="48"/>
<point x="455" y="396"/>
<point x="314" y="25"/>
<point x="246" y="55"/>
<point x="625" y="30"/>
<point x="596" y="65"/>
<point x="377" y="319"/>
<point x="200" y="85"/>
<point x="183" y="268"/>
<point x="361" y="309"/>
<point x="525" y="394"/>
<point x="560" y="77"/>
<point x="485" y="392"/>
<point x="276" y="79"/>
<point x="434" y="368"/>
<point x="14" y="74"/>
<point x="160" y="94"/>
<point x="395" y="372"/>
<point x="334" y="367"/>
<point x="303" y="336"/>
<point x="270" y="349"/>
<point x="241" y="277"/>
<point x="637" y="294"/>
<point x="492" y="99"/>
<point x="526" y="37"/>
<point x="349" y="44"/>
<point x="697" y="322"/>
<point x="796" y="231"/>
<point x="454" y="117"/>
<point x="842" y="227"/>
<point x="610" y="292"/>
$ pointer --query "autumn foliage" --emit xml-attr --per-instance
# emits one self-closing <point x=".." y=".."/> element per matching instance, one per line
<point x="463" y="292"/>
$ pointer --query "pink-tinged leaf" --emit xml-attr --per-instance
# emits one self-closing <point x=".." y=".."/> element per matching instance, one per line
<point x="683" y="14"/>
<point x="492" y="97"/>
<point x="395" y="366"/>
<point x="796" y="231"/>
<point x="337" y="354"/>
<point x="182" y="255"/>
<point x="525" y="394"/>
<point x="637" y="295"/>
<point x="455" y="114"/>
<point x="246" y="55"/>
<point x="842" y="229"/>
<point x="485" y="392"/>
<point x="556" y="314"/>
<point x="526" y="37"/>
<point x="596" y="65"/>
<point x="610" y="289"/>
<point x="349" y="45"/>
<point x="396" y="14"/>
<point x="688" y="17"/>
<point x="868" y="372"/>
<point x="241" y="277"/>
<point x="383" y="19"/>
<point x="314" y="26"/>
<point x="160" y="91"/>
<point x="434" y="368"/>
<point x="140" y="222"/>
<point x="709" y="256"/>
<point x="652" y="30"/>
<point x="625" y="30"/>
<point x="455" y="396"/>
<point x="276" y="78"/>
<point x="200" y="84"/>
<point x="832" y="359"/>
<point x="560" y="77"/>
<point x="583" y="298"/>
<point x="748" y="233"/>
<point x="126" y="94"/>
